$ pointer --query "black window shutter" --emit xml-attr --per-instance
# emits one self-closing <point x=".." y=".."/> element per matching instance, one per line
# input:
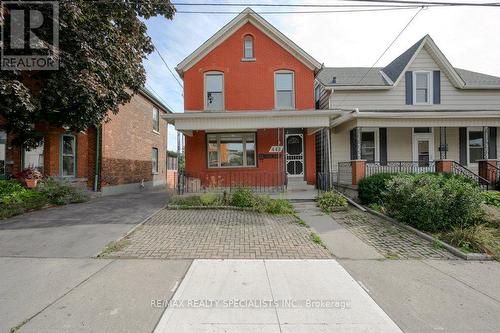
<point x="382" y="132"/>
<point x="492" y="143"/>
<point x="436" y="87"/>
<point x="409" y="87"/>
<point x="462" y="139"/>
<point x="354" y="147"/>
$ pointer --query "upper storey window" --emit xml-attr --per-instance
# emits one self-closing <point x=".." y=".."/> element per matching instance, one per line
<point x="248" y="47"/>
<point x="284" y="90"/>
<point x="214" y="91"/>
<point x="422" y="83"/>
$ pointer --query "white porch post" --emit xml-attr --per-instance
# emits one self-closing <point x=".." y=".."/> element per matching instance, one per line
<point x="486" y="143"/>
<point x="358" y="142"/>
<point x="443" y="147"/>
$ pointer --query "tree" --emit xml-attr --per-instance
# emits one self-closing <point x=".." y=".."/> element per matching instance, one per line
<point x="101" y="48"/>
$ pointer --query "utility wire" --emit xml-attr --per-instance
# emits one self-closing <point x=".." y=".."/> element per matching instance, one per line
<point x="277" y="5"/>
<point x="298" y="11"/>
<point x="148" y="86"/>
<point x="168" y="67"/>
<point x="433" y="3"/>
<point x="385" y="51"/>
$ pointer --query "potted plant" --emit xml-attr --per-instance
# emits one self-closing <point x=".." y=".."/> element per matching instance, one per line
<point x="29" y="177"/>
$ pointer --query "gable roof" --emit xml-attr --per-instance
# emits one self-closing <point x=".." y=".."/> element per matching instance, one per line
<point x="152" y="98"/>
<point x="247" y="15"/>
<point x="389" y="76"/>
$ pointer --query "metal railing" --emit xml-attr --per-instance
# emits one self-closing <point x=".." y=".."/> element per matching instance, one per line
<point x="219" y="181"/>
<point x="373" y="168"/>
<point x="459" y="169"/>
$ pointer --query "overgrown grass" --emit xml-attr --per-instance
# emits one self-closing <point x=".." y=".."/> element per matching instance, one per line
<point x="240" y="198"/>
<point x="114" y="246"/>
<point x="316" y="239"/>
<point x="331" y="201"/>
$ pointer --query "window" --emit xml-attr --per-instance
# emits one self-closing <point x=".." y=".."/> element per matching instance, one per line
<point x="284" y="97"/>
<point x="171" y="163"/>
<point x="231" y="150"/>
<point x="154" y="160"/>
<point x="3" y="144"/>
<point x="214" y="97"/>
<point x="156" y="120"/>
<point x="475" y="145"/>
<point x="422" y="87"/>
<point x="68" y="150"/>
<point x="248" y="47"/>
<point x="317" y="94"/>
<point x="33" y="158"/>
<point x="368" y="145"/>
<point x="420" y="130"/>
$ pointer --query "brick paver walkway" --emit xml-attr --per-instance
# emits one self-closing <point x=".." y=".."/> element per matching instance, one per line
<point x="221" y="234"/>
<point x="390" y="240"/>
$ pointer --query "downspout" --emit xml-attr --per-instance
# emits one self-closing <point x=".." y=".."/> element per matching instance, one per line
<point x="97" y="157"/>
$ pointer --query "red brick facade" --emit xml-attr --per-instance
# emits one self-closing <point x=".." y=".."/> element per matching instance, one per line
<point x="126" y="144"/>
<point x="248" y="86"/>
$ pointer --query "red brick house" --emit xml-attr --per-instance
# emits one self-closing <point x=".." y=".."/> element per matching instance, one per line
<point x="127" y="153"/>
<point x="248" y="99"/>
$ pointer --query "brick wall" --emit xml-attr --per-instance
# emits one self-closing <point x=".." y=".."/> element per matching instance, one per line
<point x="127" y="142"/>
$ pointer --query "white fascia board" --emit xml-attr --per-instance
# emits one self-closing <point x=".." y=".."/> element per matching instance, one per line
<point x="430" y="114"/>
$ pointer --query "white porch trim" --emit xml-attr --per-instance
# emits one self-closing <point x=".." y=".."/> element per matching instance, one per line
<point x="235" y="120"/>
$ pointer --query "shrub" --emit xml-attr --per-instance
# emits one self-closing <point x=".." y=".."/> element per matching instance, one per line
<point x="371" y="189"/>
<point x="433" y="202"/>
<point x="210" y="199"/>
<point x="330" y="201"/>
<point x="192" y="200"/>
<point x="15" y="199"/>
<point x="243" y="197"/>
<point x="492" y="198"/>
<point x="9" y="186"/>
<point x="61" y="192"/>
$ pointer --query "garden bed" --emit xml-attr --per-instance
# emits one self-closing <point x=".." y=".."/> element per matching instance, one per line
<point x="16" y="199"/>
<point x="447" y="210"/>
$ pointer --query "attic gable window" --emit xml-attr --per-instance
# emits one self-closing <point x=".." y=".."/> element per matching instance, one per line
<point x="422" y="87"/>
<point x="248" y="53"/>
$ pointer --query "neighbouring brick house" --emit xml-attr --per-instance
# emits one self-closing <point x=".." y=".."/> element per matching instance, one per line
<point x="130" y="150"/>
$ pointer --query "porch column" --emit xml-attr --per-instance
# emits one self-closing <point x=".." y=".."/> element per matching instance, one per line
<point x="358" y="143"/>
<point x="358" y="170"/>
<point x="486" y="143"/>
<point x="443" y="146"/>
<point x="444" y="166"/>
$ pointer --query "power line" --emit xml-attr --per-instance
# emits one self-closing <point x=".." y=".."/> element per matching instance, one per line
<point x="168" y="67"/>
<point x="431" y="3"/>
<point x="275" y="5"/>
<point x="298" y="12"/>
<point x="148" y="86"/>
<point x="385" y="51"/>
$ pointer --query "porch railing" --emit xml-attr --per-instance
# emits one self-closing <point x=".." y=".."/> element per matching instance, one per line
<point x="459" y="169"/>
<point x="373" y="168"/>
<point x="219" y="181"/>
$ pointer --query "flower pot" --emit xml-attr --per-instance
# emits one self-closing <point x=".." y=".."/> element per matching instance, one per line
<point x="31" y="183"/>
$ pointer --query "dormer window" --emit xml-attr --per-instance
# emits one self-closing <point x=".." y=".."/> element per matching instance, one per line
<point x="248" y="51"/>
<point x="422" y="87"/>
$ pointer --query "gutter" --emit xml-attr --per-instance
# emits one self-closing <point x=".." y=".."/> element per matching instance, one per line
<point x="97" y="157"/>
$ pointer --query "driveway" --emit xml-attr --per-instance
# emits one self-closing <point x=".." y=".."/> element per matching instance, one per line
<point x="78" y="230"/>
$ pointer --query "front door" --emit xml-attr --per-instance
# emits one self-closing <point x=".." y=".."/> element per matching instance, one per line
<point x="294" y="144"/>
<point x="423" y="149"/>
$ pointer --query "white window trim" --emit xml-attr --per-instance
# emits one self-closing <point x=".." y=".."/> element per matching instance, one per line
<point x="62" y="156"/>
<point x="158" y="112"/>
<point x="219" y="164"/>
<point x="245" y="58"/>
<point x="429" y="86"/>
<point x="276" y="91"/>
<point x="377" y="141"/>
<point x="472" y="129"/>
<point x="155" y="172"/>
<point x="205" y="91"/>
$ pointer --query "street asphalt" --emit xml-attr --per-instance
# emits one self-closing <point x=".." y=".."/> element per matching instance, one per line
<point x="77" y="230"/>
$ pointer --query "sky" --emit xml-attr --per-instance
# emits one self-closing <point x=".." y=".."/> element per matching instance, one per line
<point x="468" y="36"/>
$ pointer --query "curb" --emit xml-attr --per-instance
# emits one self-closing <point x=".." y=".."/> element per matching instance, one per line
<point x="453" y="250"/>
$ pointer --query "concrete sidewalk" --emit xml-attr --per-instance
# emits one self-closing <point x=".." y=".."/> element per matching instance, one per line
<point x="272" y="296"/>
<point x="85" y="295"/>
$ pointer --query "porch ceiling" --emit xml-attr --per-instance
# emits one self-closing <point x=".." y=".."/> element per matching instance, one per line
<point x="237" y="120"/>
<point x="419" y="119"/>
